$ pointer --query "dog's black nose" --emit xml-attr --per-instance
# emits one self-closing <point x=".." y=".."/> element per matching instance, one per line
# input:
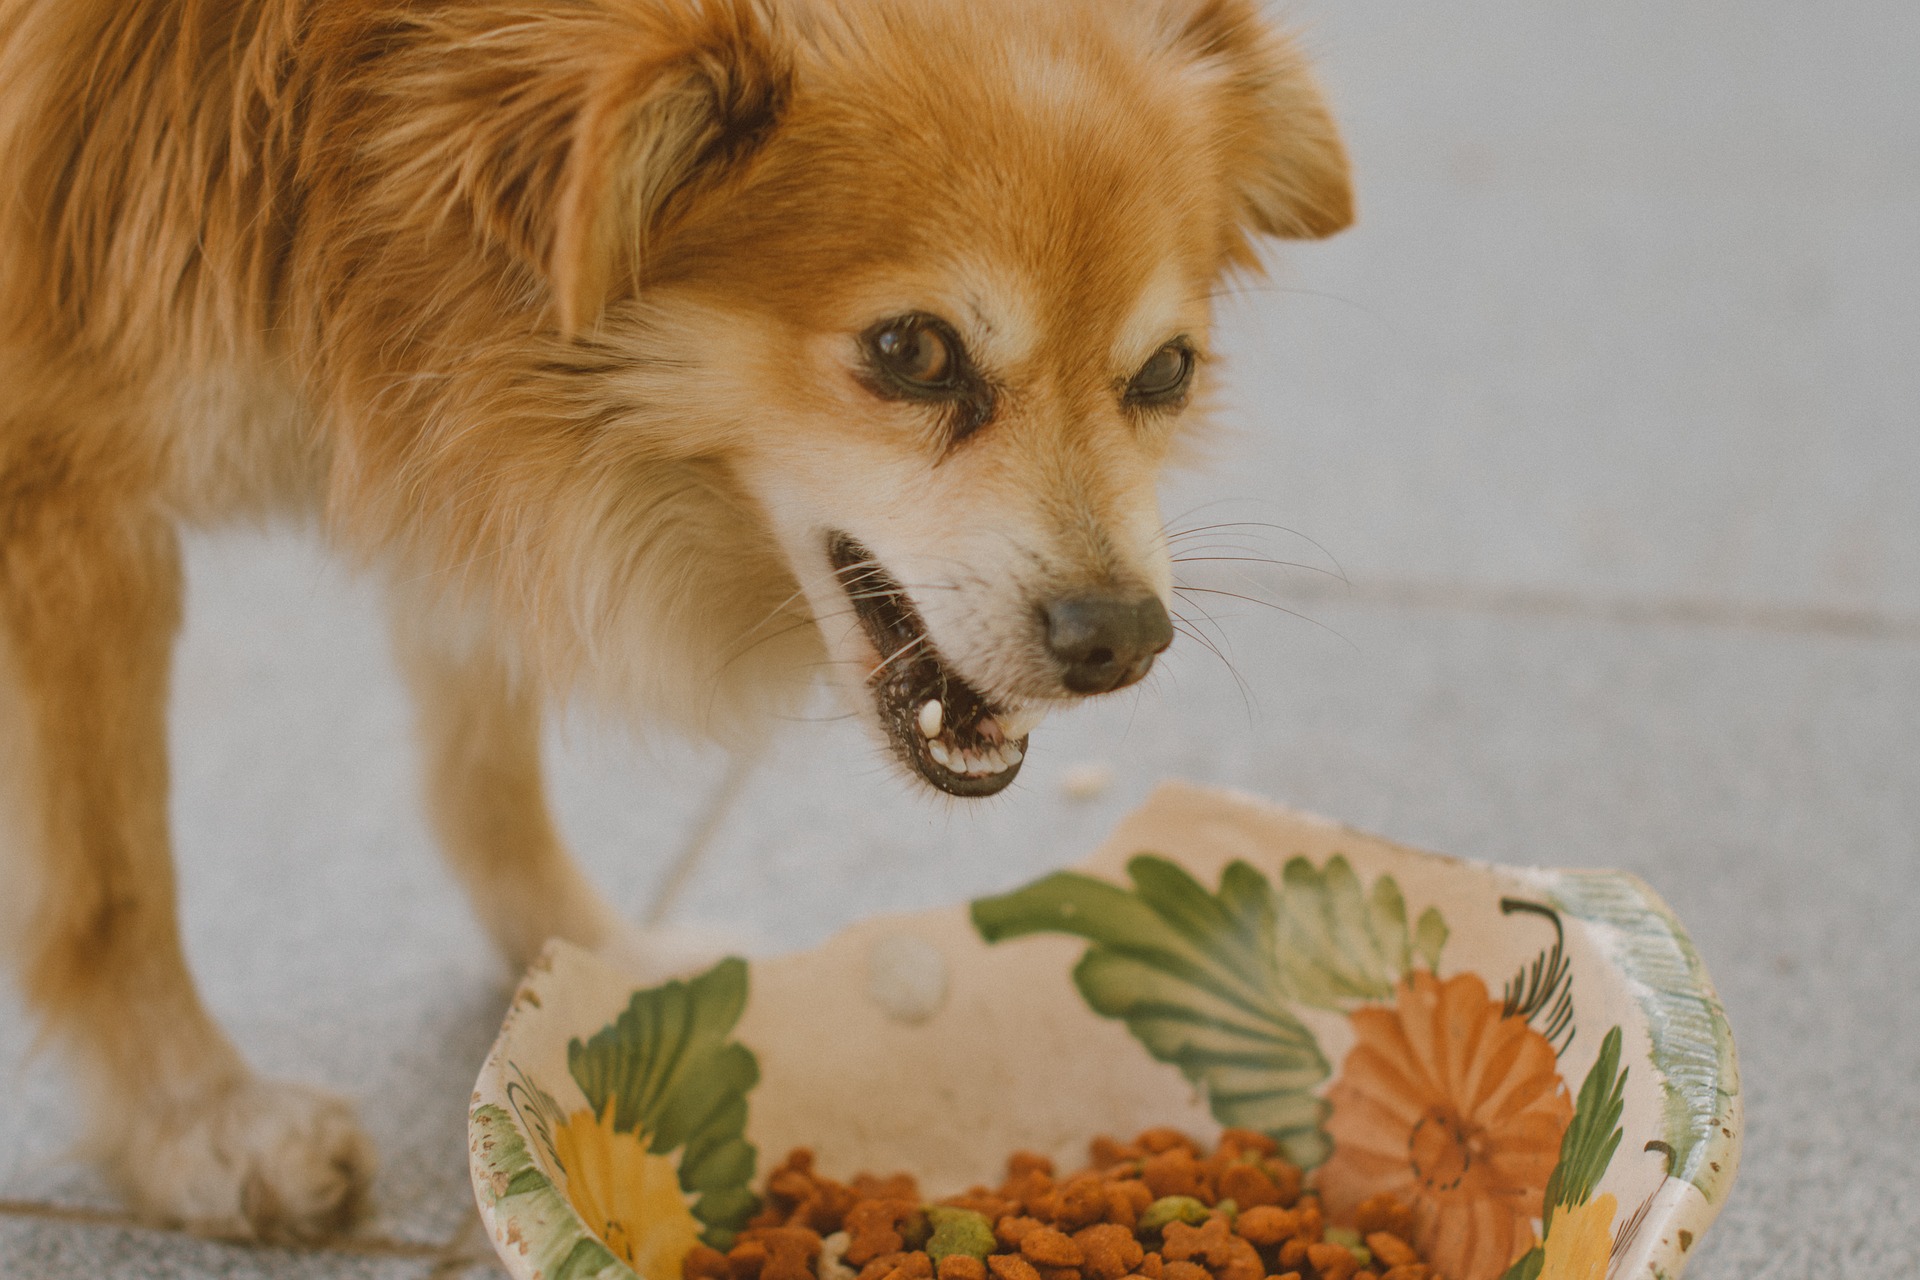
<point x="1106" y="642"/>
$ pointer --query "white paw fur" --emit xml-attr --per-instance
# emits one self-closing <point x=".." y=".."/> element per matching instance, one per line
<point x="260" y="1159"/>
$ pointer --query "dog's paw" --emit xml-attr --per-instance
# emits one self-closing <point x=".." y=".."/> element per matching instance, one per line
<point x="263" y="1160"/>
<point x="660" y="952"/>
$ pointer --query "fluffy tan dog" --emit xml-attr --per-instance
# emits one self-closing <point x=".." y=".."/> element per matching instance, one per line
<point x="672" y="349"/>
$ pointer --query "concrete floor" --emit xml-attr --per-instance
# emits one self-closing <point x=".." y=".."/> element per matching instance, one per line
<point x="1610" y="411"/>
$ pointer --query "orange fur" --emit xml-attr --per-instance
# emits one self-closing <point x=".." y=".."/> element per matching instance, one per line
<point x="547" y="310"/>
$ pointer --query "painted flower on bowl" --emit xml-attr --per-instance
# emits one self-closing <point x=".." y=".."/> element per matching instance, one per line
<point x="1580" y="1246"/>
<point x="1451" y="1104"/>
<point x="627" y="1196"/>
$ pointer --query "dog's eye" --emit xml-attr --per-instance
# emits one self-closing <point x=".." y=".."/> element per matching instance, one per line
<point x="1164" y="376"/>
<point x="915" y="353"/>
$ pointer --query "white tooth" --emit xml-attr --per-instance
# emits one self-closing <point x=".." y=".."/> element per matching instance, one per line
<point x="932" y="715"/>
<point x="939" y="753"/>
<point x="990" y="760"/>
<point x="1013" y="753"/>
<point x="976" y="761"/>
<point x="1018" y="724"/>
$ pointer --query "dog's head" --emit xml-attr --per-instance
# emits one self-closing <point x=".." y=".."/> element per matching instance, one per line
<point x="931" y="278"/>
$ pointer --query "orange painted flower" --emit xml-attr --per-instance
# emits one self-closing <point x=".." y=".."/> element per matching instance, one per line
<point x="1455" y="1110"/>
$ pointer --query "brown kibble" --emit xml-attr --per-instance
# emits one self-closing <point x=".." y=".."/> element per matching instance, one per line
<point x="1333" y="1261"/>
<point x="1153" y="1267"/>
<point x="917" y="1265"/>
<point x="895" y="1186"/>
<point x="1110" y="1250"/>
<point x="1391" y="1249"/>
<point x="1210" y="1242"/>
<point x="1011" y="1266"/>
<point x="983" y="1202"/>
<point x="789" y="1252"/>
<point x="1034" y="1190"/>
<point x="745" y="1259"/>
<point x="1021" y="1163"/>
<point x="1364" y="1274"/>
<point x="1247" y="1187"/>
<point x="1057" y="1273"/>
<point x="874" y="1228"/>
<point x="1244" y="1140"/>
<point x="1312" y="1220"/>
<point x="1410" y="1271"/>
<point x="1185" y="1271"/>
<point x="1287" y="1179"/>
<point x="961" y="1266"/>
<point x="1162" y="1139"/>
<point x="1175" y="1173"/>
<point x="1105" y="1152"/>
<point x="1243" y="1262"/>
<point x="1081" y="1201"/>
<point x="1266" y="1225"/>
<point x="1291" y="1275"/>
<point x="1293" y="1253"/>
<point x="1048" y="1247"/>
<point x="1010" y="1231"/>
<point x="1385" y="1213"/>
<point x="883" y="1266"/>
<point x="705" y="1263"/>
<point x="1120" y="1210"/>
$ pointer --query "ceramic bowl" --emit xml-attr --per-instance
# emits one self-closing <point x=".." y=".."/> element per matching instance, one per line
<point x="1534" y="1060"/>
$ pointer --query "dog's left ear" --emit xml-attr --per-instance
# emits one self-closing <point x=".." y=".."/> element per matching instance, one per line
<point x="1280" y="148"/>
<point x="657" y="122"/>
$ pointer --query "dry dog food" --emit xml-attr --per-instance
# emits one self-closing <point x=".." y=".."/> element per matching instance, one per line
<point x="1156" y="1208"/>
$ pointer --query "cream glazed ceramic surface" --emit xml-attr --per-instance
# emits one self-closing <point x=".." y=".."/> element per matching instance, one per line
<point x="1534" y="1060"/>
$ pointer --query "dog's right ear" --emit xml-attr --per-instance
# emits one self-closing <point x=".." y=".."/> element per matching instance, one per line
<point x="1280" y="149"/>
<point x="572" y="132"/>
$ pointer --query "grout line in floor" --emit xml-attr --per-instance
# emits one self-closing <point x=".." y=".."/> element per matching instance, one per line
<point x="719" y="805"/>
<point x="87" y="1216"/>
<point x="1546" y="602"/>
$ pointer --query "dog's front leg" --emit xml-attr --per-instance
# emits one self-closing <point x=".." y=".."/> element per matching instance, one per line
<point x="480" y="735"/>
<point x="90" y="590"/>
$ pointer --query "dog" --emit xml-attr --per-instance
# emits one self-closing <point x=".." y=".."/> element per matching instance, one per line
<point x="661" y="352"/>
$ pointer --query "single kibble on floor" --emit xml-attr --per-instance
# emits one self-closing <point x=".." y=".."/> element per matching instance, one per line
<point x="1103" y="1222"/>
<point x="1086" y="781"/>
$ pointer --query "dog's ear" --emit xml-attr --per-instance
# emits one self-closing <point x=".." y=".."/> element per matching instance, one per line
<point x="1281" y="150"/>
<point x="657" y="124"/>
<point x="573" y="131"/>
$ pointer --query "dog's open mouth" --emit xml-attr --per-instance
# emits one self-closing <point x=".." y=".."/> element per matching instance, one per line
<point x="949" y="732"/>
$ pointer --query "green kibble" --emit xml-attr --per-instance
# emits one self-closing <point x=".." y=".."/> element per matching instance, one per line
<point x="1230" y="1207"/>
<point x="1345" y="1237"/>
<point x="957" y="1231"/>
<point x="1173" y="1209"/>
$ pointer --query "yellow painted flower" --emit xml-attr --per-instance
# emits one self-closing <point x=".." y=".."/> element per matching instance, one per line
<point x="628" y="1197"/>
<point x="1579" y="1242"/>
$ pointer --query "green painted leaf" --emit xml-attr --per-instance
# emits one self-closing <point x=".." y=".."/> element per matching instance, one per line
<point x="1196" y="977"/>
<point x="1692" y="1045"/>
<point x="1428" y="937"/>
<point x="532" y="1208"/>
<point x="1527" y="1266"/>
<point x="1339" y="945"/>
<point x="668" y="1072"/>
<point x="1592" y="1135"/>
